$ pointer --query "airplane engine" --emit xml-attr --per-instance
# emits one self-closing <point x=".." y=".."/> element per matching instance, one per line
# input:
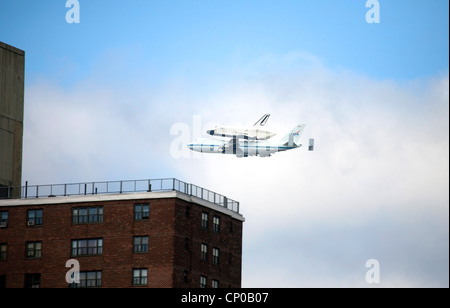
<point x="240" y="155"/>
<point x="265" y="155"/>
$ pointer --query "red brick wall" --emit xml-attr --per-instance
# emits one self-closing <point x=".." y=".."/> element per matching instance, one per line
<point x="117" y="231"/>
<point x="228" y="275"/>
<point x="166" y="260"/>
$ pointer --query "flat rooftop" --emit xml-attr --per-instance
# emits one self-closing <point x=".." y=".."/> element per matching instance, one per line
<point x="119" y="190"/>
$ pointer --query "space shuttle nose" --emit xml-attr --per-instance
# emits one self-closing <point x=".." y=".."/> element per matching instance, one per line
<point x="210" y="132"/>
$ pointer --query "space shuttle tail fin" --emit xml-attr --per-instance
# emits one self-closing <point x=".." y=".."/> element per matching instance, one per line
<point x="263" y="120"/>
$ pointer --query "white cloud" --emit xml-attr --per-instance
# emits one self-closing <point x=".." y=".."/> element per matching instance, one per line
<point x="381" y="155"/>
<point x="375" y="187"/>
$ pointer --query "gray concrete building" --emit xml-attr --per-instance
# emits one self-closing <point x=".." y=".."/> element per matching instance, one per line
<point x="12" y="76"/>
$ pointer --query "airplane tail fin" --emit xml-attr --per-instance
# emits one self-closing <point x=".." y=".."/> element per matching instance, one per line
<point x="263" y="120"/>
<point x="293" y="137"/>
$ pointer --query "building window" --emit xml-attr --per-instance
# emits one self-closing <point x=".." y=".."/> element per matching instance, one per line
<point x="87" y="247"/>
<point x="204" y="252"/>
<point x="34" y="217"/>
<point x="140" y="277"/>
<point x="33" y="250"/>
<point x="141" y="211"/>
<point x="215" y="283"/>
<point x="216" y="253"/>
<point x="84" y="215"/>
<point x="205" y="220"/>
<point x="185" y="276"/>
<point x="3" y="249"/>
<point x="186" y="243"/>
<point x="216" y="224"/>
<point x="3" y="219"/>
<point x="203" y="281"/>
<point x="188" y="211"/>
<point x="32" y="280"/>
<point x="140" y="244"/>
<point x="92" y="279"/>
<point x="231" y="227"/>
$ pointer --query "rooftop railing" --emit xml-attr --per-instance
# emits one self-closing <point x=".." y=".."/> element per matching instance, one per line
<point x="117" y="187"/>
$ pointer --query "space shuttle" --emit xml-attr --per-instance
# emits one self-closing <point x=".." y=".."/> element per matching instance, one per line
<point x="254" y="133"/>
<point x="249" y="141"/>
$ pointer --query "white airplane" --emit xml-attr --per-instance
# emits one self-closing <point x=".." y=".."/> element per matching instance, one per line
<point x="251" y="147"/>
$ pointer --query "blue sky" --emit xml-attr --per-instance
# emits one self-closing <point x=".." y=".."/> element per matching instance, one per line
<point x="193" y="37"/>
<point x="102" y="98"/>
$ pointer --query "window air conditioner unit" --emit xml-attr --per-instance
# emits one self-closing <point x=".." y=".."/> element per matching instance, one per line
<point x="3" y="224"/>
<point x="30" y="223"/>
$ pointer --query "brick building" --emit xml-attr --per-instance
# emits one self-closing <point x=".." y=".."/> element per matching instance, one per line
<point x="172" y="235"/>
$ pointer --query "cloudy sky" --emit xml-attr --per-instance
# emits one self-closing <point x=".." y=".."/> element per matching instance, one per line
<point x="104" y="99"/>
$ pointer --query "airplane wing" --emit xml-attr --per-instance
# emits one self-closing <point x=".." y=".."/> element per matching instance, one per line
<point x="232" y="147"/>
<point x="263" y="120"/>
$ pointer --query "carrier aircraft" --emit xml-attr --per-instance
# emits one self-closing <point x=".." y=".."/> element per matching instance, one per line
<point x="249" y="142"/>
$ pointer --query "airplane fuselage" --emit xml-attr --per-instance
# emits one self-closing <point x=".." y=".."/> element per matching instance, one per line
<point x="241" y="148"/>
